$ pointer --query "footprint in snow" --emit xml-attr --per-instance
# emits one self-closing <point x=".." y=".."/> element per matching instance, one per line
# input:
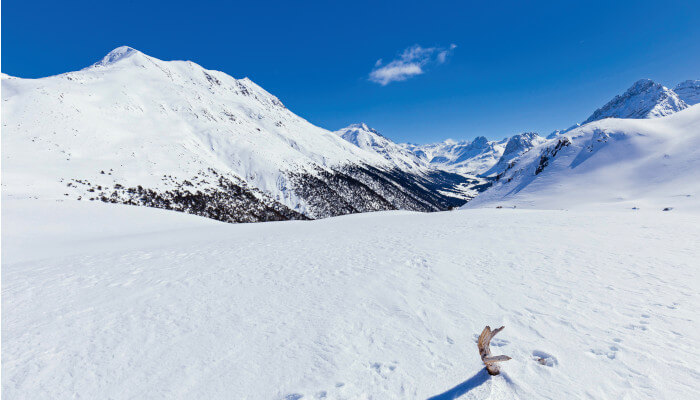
<point x="611" y="353"/>
<point x="544" y="358"/>
<point x="383" y="370"/>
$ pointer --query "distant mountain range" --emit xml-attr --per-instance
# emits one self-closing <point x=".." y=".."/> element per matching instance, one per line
<point x="133" y="129"/>
<point x="632" y="163"/>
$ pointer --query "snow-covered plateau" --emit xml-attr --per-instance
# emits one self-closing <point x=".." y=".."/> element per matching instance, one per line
<point x="114" y="301"/>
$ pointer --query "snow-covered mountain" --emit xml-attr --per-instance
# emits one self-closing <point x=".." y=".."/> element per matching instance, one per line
<point x="516" y="146"/>
<point x="459" y="185"/>
<point x="630" y="162"/>
<point x="470" y="157"/>
<point x="369" y="139"/>
<point x="644" y="99"/>
<point x="137" y="130"/>
<point x="134" y="129"/>
<point x="689" y="91"/>
<point x="480" y="157"/>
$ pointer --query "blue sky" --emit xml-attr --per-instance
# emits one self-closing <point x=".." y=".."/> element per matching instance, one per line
<point x="468" y="68"/>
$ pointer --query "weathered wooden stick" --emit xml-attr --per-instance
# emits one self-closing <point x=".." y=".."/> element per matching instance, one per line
<point x="495" y="359"/>
<point x="484" y="344"/>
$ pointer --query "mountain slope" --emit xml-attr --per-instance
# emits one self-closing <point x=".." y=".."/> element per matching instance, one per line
<point x="627" y="162"/>
<point x="688" y="91"/>
<point x="456" y="185"/>
<point x="469" y="157"/>
<point x="134" y="129"/>
<point x="516" y="146"/>
<point x="369" y="139"/>
<point x="644" y="99"/>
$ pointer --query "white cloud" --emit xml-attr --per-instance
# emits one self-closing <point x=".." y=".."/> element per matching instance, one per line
<point x="411" y="62"/>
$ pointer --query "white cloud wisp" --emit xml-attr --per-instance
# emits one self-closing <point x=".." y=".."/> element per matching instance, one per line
<point x="411" y="62"/>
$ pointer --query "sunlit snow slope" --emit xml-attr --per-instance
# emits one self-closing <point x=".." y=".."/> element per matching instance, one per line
<point x="171" y="134"/>
<point x="623" y="162"/>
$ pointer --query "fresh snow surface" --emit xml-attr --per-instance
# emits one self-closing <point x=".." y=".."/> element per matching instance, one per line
<point x="112" y="301"/>
<point x="612" y="162"/>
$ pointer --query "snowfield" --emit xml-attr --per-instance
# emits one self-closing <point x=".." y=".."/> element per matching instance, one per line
<point x="112" y="301"/>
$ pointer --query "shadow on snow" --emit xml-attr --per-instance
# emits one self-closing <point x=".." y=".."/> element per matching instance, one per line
<point x="475" y="381"/>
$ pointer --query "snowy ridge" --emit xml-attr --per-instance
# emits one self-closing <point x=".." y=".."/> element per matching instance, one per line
<point x="644" y="99"/>
<point x="689" y="91"/>
<point x="479" y="157"/>
<point x="369" y="139"/>
<point x="470" y="157"/>
<point x="116" y="55"/>
<point x="621" y="162"/>
<point x="134" y="129"/>
<point x="516" y="146"/>
<point x="170" y="134"/>
<point x="456" y="185"/>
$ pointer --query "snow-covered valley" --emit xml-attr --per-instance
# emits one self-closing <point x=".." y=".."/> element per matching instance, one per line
<point x="112" y="301"/>
<point x="583" y="244"/>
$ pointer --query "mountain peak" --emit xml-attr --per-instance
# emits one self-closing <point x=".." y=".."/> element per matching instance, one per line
<point x="116" y="55"/>
<point x="689" y="91"/>
<point x="642" y="84"/>
<point x="479" y="142"/>
<point x="362" y="126"/>
<point x="644" y="99"/>
<point x="366" y="138"/>
<point x="521" y="142"/>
